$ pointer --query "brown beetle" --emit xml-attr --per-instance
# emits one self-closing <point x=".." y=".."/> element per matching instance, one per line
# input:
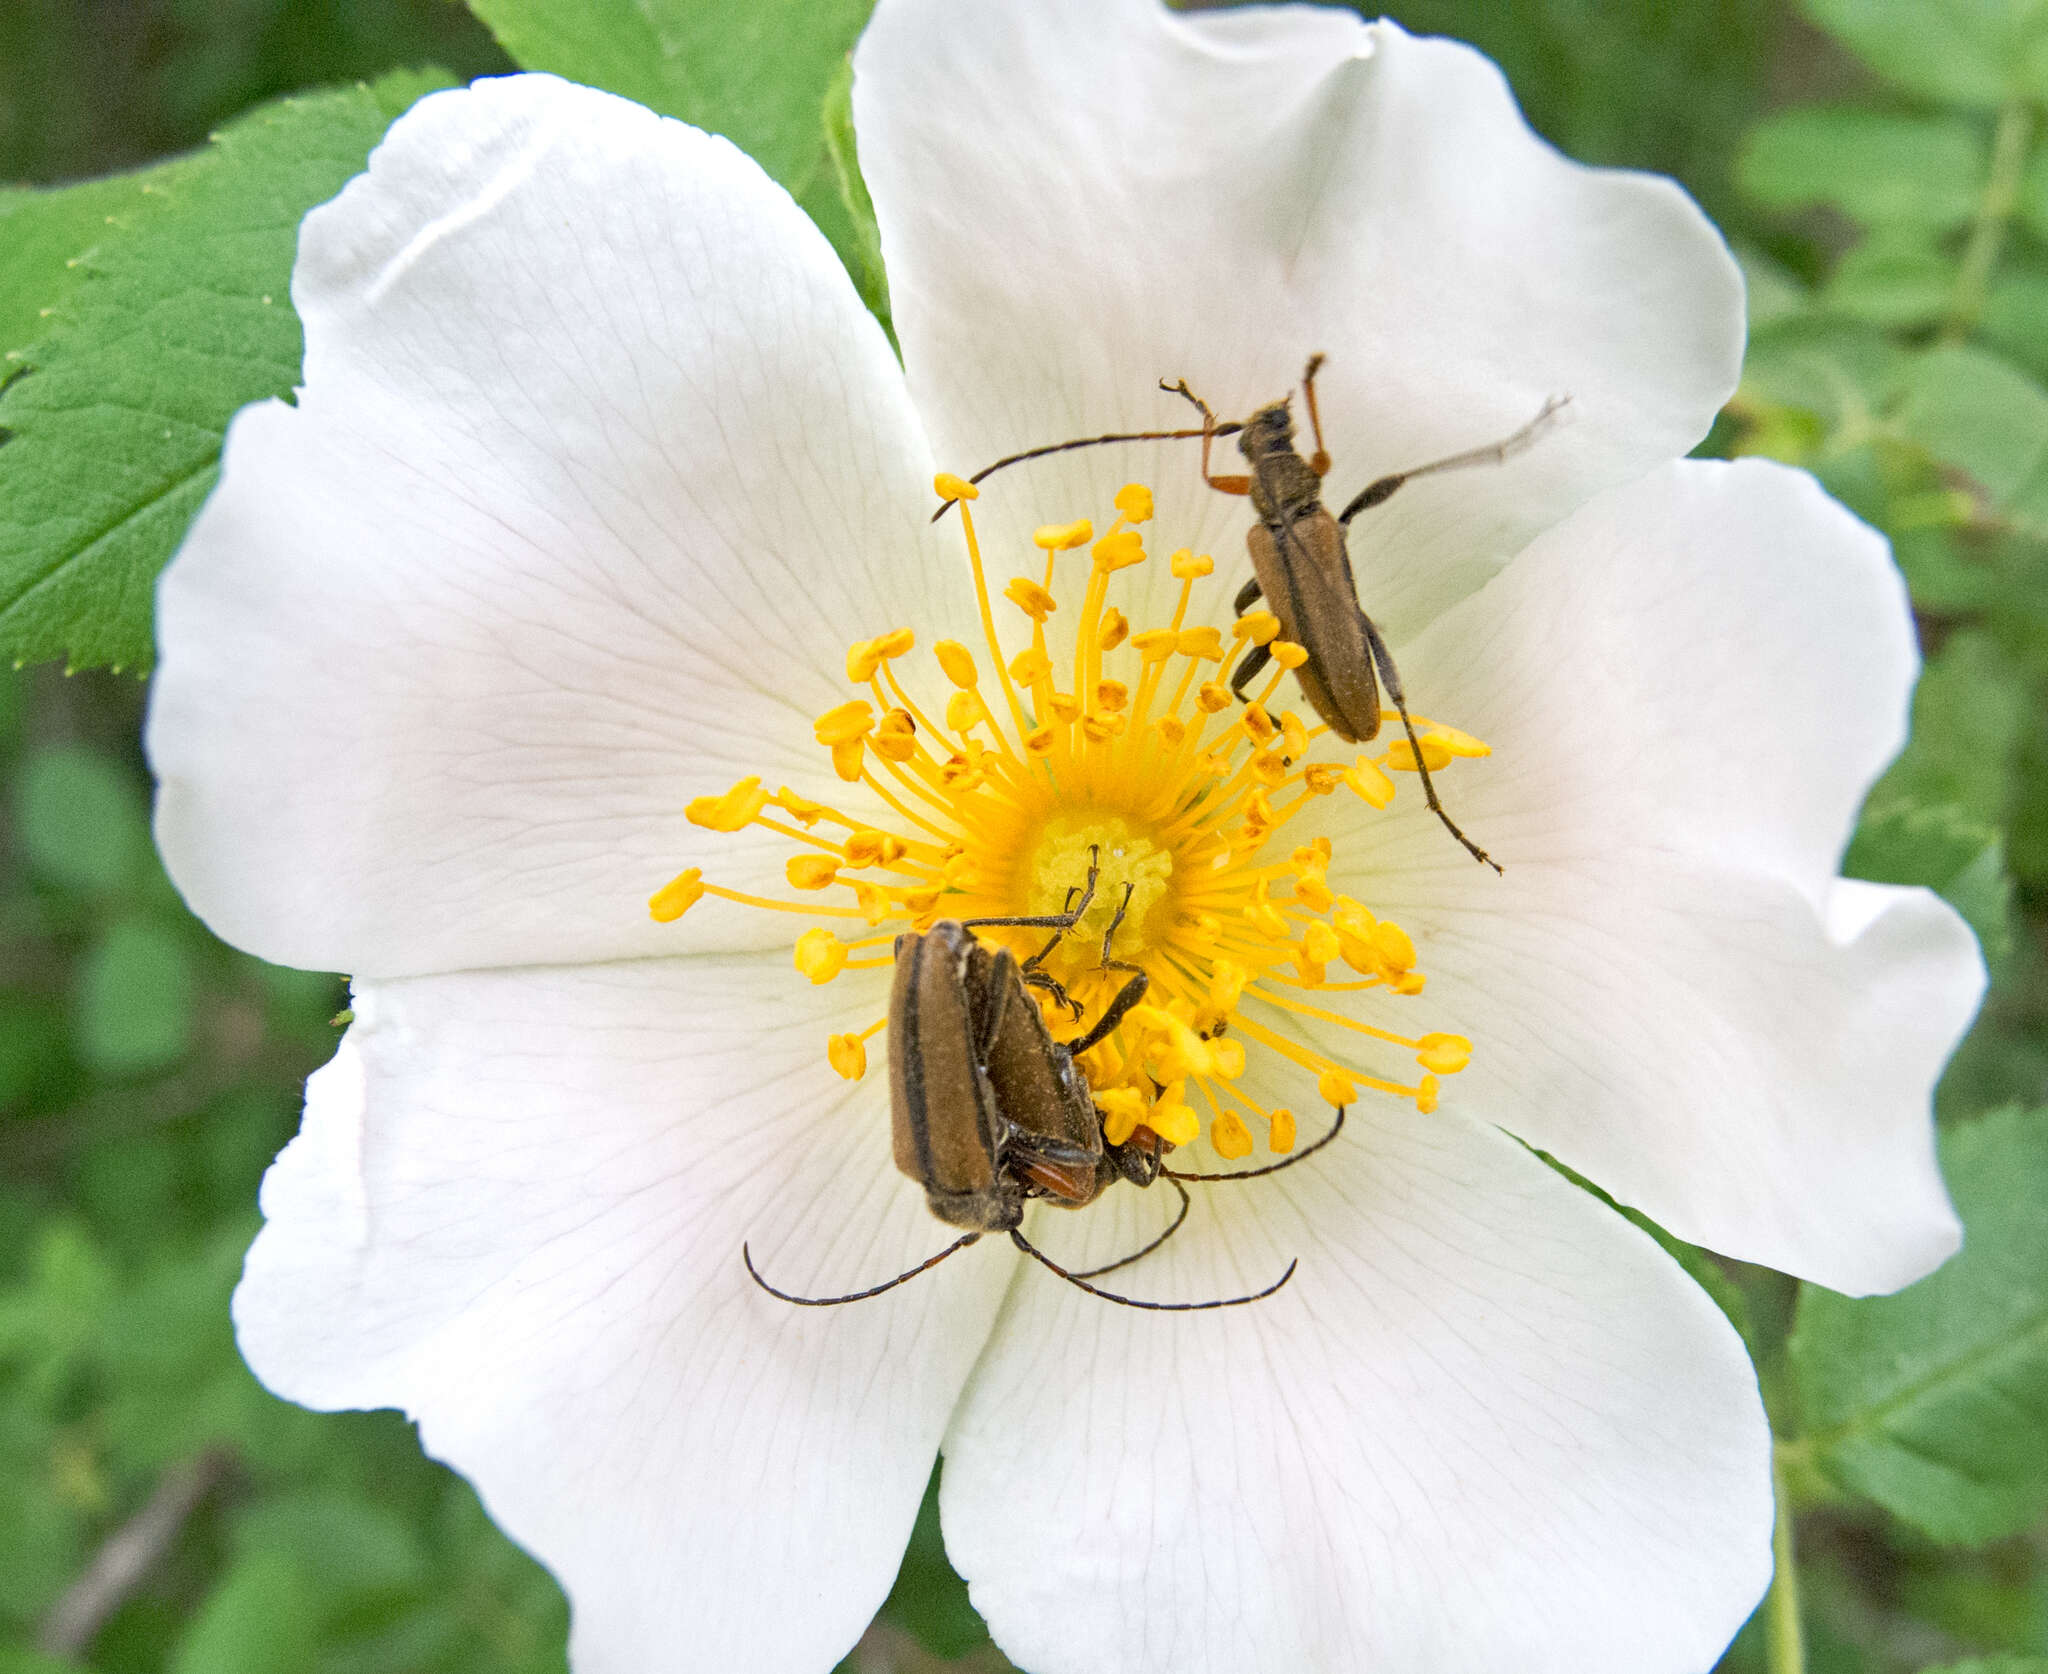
<point x="989" y="1111"/>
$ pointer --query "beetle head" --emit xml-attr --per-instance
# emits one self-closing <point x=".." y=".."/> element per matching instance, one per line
<point x="1268" y="431"/>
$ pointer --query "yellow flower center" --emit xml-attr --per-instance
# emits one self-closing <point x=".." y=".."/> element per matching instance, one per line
<point x="1133" y="761"/>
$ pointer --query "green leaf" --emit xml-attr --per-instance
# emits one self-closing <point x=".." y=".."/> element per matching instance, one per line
<point x="1898" y="279"/>
<point x="929" y="1599"/>
<point x="1879" y="168"/>
<point x="45" y="232"/>
<point x="1961" y="52"/>
<point x="2015" y="318"/>
<point x="182" y="317"/>
<point x="1960" y="859"/>
<point x="1967" y="714"/>
<point x="864" y="234"/>
<point x="262" y="1619"/>
<point x="134" y="999"/>
<point x="756" y="73"/>
<point x="1983" y="415"/>
<point x="1931" y="1402"/>
<point x="81" y="820"/>
<point x="1993" y="1665"/>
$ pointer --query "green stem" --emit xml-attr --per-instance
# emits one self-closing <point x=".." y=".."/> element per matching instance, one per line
<point x="2009" y="146"/>
<point x="1784" y="1639"/>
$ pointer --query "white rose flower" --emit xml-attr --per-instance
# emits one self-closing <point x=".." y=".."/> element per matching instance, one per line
<point x="599" y="469"/>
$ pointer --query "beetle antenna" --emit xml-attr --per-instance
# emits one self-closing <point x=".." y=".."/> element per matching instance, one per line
<point x="1044" y="1260"/>
<point x="1140" y="1255"/>
<point x="1008" y="460"/>
<point x="747" y="1256"/>
<point x="1336" y="1128"/>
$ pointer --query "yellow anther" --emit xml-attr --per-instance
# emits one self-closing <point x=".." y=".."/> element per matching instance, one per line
<point x="1134" y="500"/>
<point x="800" y="808"/>
<point x="1115" y="629"/>
<point x="731" y="812"/>
<point x="1280" y="1130"/>
<point x="958" y="774"/>
<point x="896" y="642"/>
<point x="1336" y="1088"/>
<point x="1287" y="654"/>
<point x="1065" y="707"/>
<point x="1261" y="627"/>
<point x="949" y="487"/>
<point x="820" y="955"/>
<point x="919" y="902"/>
<point x="1172" y="730"/>
<point x="1258" y="812"/>
<point x="1318" y="944"/>
<point x="1313" y="856"/>
<point x="1425" y="1095"/>
<point x="847" y="758"/>
<point x="1408" y="982"/>
<point x="1391" y="943"/>
<point x="1445" y="1054"/>
<point x="1436" y="754"/>
<point x="1226" y="1058"/>
<point x="862" y="659"/>
<point x="1372" y="786"/>
<point x="873" y="903"/>
<point x="1032" y="599"/>
<point x="1063" y="537"/>
<point x="1205" y="643"/>
<point x="1111" y="695"/>
<point x="1267" y="920"/>
<point x="1123" y="1108"/>
<point x="850" y="720"/>
<point x="1458" y="743"/>
<point x="677" y="896"/>
<point x="1173" y="1119"/>
<point x="848" y="1054"/>
<point x="1030" y="666"/>
<point x="1188" y="566"/>
<point x="896" y="735"/>
<point x="1294" y="735"/>
<point x="1322" y="778"/>
<point x="1039" y="740"/>
<point x="958" y="663"/>
<point x="811" y="871"/>
<point x="867" y="847"/>
<point x="1213" y="697"/>
<point x="964" y="710"/>
<point x="1230" y="1136"/>
<point x="1258" y="724"/>
<point x="1102" y="728"/>
<point x="1226" y="984"/>
<point x="1119" y="550"/>
<point x="1269" y="767"/>
<point x="1155" y="645"/>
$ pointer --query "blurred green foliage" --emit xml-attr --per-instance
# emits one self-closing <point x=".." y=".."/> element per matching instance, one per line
<point x="1881" y="168"/>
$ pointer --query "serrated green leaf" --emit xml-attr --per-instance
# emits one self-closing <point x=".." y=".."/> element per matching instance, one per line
<point x="134" y="999"/>
<point x="756" y="73"/>
<point x="1964" y="52"/>
<point x="44" y="232"/>
<point x="1874" y="166"/>
<point x="1971" y="409"/>
<point x="1931" y="1402"/>
<point x="180" y="320"/>
<point x="1959" y="858"/>
<point x="81" y="819"/>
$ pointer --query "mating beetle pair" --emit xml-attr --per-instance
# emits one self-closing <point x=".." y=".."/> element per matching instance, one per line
<point x="988" y="1111"/>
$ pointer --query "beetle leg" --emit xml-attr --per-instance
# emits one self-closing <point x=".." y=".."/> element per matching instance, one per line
<point x="1336" y="1128"/>
<point x="1247" y="596"/>
<point x="1210" y="431"/>
<point x="1319" y="461"/>
<point x="1248" y="670"/>
<point x="1392" y="681"/>
<point x="747" y="1256"/>
<point x="1494" y="453"/>
<point x="1056" y="921"/>
<point x="1140" y="1255"/>
<point x="1034" y="978"/>
<point x="1046" y="1261"/>
<point x="1113" y="1014"/>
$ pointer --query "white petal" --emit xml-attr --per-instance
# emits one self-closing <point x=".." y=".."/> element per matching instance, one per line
<point x="516" y="1209"/>
<point x="599" y="467"/>
<point x="1689" y="686"/>
<point x="1082" y="197"/>
<point x="1488" y="1425"/>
